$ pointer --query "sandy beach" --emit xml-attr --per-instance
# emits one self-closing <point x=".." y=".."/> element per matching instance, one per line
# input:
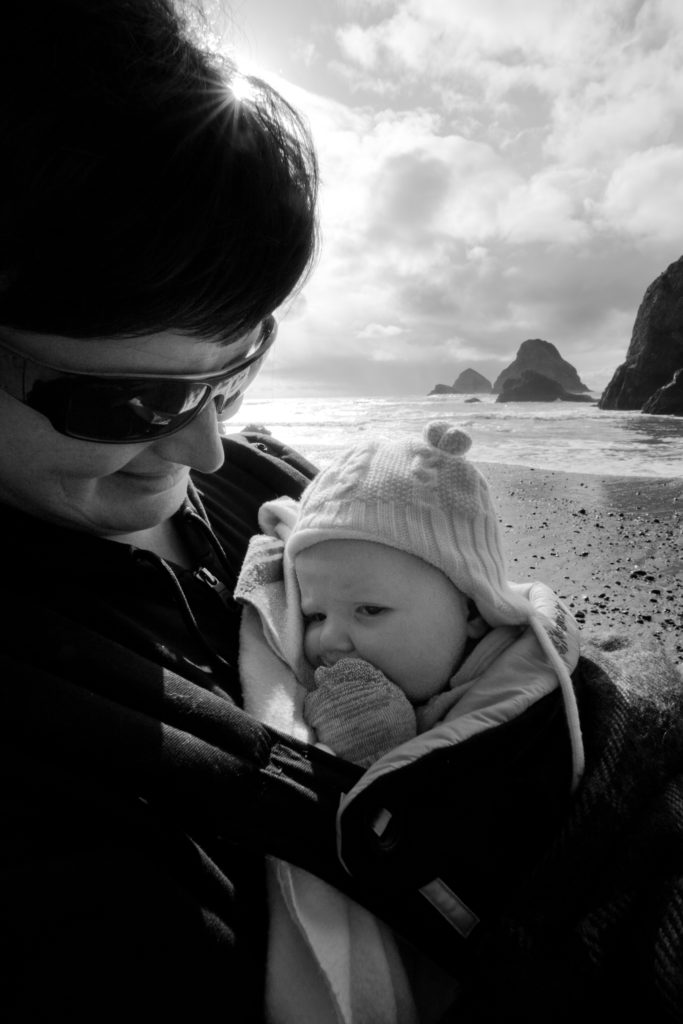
<point x="611" y="547"/>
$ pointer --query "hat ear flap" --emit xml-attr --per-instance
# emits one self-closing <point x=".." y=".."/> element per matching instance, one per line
<point x="277" y="518"/>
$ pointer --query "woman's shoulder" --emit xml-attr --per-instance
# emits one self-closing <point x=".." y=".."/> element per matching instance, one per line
<point x="637" y="668"/>
<point x="257" y="468"/>
<point x="631" y="706"/>
<point x="257" y="462"/>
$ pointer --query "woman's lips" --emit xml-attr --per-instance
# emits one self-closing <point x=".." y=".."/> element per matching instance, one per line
<point x="153" y="481"/>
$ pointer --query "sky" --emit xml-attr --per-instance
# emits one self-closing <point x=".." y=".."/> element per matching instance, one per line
<point x="491" y="171"/>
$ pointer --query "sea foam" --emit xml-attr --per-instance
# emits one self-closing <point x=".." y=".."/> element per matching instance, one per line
<point x="546" y="435"/>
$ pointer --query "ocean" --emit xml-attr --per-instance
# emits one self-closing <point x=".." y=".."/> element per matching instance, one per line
<point x="573" y="437"/>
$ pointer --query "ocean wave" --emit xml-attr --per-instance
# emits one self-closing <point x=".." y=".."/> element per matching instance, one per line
<point x="555" y="436"/>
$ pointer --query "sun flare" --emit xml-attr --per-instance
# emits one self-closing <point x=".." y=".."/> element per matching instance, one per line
<point x="242" y="88"/>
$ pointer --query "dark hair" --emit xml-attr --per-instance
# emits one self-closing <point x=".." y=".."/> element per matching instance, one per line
<point x="137" y="192"/>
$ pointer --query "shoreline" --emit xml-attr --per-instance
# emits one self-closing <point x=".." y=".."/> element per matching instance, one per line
<point x="610" y="546"/>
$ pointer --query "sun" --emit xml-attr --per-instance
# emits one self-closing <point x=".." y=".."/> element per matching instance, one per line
<point x="242" y="88"/>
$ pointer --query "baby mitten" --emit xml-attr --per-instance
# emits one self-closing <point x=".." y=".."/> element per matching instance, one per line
<point x="358" y="712"/>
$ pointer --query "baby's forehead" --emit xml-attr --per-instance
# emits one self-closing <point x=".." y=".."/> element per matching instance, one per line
<point x="353" y="562"/>
<point x="336" y="552"/>
<point x="350" y="572"/>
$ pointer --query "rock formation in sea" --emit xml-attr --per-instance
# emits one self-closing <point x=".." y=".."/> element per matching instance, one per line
<point x="469" y="382"/>
<point x="531" y="386"/>
<point x="667" y="401"/>
<point x="541" y="357"/>
<point x="655" y="352"/>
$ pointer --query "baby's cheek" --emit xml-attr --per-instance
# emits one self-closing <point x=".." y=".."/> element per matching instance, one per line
<point x="311" y="645"/>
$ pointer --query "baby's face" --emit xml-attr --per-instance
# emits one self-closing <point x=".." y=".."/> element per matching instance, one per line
<point x="365" y="600"/>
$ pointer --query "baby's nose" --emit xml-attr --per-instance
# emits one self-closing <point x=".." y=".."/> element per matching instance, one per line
<point x="335" y="641"/>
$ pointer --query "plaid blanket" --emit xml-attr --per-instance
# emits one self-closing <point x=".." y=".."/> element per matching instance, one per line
<point x="597" y="926"/>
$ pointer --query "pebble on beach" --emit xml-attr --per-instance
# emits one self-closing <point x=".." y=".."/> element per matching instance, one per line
<point x="610" y="547"/>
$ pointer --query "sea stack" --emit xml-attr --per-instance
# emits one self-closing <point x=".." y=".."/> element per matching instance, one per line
<point x="542" y="357"/>
<point x="470" y="382"/>
<point x="536" y="387"/>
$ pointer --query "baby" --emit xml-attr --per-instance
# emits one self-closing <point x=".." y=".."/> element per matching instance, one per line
<point x="395" y="598"/>
<point x="378" y="614"/>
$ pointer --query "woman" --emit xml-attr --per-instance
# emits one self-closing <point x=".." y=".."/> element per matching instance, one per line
<point x="150" y="224"/>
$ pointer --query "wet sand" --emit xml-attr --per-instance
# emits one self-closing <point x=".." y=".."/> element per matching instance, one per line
<point x="611" y="547"/>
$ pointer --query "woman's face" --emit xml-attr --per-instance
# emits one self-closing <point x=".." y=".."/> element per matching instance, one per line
<point x="108" y="489"/>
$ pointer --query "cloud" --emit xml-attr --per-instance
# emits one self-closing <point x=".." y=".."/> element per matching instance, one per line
<point x="442" y="185"/>
<point x="633" y="200"/>
<point x="359" y="45"/>
<point x="379" y="331"/>
<point x="549" y="207"/>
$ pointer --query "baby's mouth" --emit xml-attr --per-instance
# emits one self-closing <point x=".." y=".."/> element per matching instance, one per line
<point x="330" y="660"/>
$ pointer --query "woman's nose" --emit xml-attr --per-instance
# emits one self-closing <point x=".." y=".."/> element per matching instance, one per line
<point x="198" y="445"/>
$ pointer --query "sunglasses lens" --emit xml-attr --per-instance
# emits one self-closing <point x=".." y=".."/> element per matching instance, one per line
<point x="121" y="411"/>
<point x="134" y="411"/>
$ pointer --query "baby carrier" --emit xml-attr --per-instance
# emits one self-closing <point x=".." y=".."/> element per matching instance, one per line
<point x="436" y="830"/>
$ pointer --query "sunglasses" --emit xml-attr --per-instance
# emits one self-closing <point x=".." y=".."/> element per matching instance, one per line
<point x="125" y="408"/>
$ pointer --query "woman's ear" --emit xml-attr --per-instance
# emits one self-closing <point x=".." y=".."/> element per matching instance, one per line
<point x="476" y="627"/>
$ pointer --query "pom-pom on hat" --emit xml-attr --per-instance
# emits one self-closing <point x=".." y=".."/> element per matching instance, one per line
<point x="423" y="497"/>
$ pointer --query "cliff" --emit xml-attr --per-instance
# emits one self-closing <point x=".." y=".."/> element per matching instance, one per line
<point x="655" y="351"/>
<point x="541" y="357"/>
<point x="667" y="401"/>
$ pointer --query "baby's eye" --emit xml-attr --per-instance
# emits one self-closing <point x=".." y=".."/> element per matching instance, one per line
<point x="371" y="609"/>
<point x="310" y="617"/>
